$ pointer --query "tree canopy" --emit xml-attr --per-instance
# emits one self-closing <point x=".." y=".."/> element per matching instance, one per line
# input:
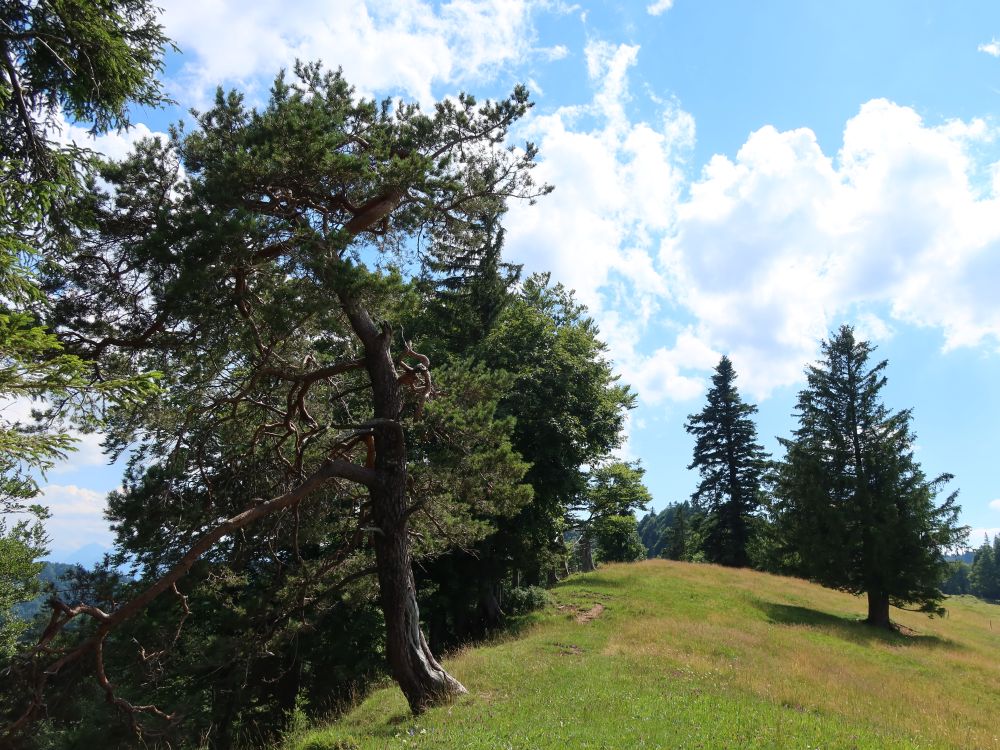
<point x="241" y="261"/>
<point x="855" y="505"/>
<point x="730" y="463"/>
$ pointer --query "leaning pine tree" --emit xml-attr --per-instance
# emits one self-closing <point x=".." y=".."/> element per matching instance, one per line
<point x="854" y="505"/>
<point x="246" y="263"/>
<point x="730" y="461"/>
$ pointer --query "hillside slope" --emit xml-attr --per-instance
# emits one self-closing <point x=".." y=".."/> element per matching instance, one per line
<point x="697" y="656"/>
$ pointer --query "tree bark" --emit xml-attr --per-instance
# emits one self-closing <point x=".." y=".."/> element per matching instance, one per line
<point x="878" y="609"/>
<point x="422" y="679"/>
<point x="490" y="608"/>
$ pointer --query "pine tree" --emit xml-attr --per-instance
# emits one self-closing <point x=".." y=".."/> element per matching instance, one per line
<point x="854" y="504"/>
<point x="730" y="461"/>
<point x="279" y="207"/>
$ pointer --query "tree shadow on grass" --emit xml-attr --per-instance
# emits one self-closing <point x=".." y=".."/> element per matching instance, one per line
<point x="848" y="628"/>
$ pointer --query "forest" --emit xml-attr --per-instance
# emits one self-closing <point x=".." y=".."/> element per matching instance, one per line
<point x="356" y="436"/>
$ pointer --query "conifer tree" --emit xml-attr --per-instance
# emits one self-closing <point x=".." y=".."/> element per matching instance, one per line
<point x="676" y="547"/>
<point x="854" y="504"/>
<point x="73" y="60"/>
<point x="730" y="461"/>
<point x="985" y="574"/>
<point x="245" y="280"/>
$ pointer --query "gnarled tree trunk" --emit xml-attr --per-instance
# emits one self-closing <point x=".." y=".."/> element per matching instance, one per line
<point x="422" y="679"/>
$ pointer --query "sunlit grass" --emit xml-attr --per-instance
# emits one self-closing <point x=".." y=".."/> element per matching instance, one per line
<point x="697" y="656"/>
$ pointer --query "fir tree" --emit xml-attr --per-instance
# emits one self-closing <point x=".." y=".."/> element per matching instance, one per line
<point x="730" y="461"/>
<point x="855" y="505"/>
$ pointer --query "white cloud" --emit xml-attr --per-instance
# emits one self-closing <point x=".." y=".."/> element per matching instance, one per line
<point x="995" y="504"/>
<point x="77" y="517"/>
<point x="771" y="249"/>
<point x="558" y="52"/>
<point x="990" y="48"/>
<point x="871" y="327"/>
<point x="976" y="536"/>
<point x="87" y="451"/>
<point x="658" y="7"/>
<point x="403" y="45"/>
<point x="661" y="375"/>
<point x="617" y="186"/>
<point x="779" y="245"/>
<point x="113" y="145"/>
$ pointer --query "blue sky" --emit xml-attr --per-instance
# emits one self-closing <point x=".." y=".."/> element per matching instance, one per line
<point x="730" y="177"/>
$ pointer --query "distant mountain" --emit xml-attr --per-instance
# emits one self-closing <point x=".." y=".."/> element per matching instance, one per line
<point x="89" y="555"/>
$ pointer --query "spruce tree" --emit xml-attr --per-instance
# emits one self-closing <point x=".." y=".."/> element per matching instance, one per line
<point x="855" y="505"/>
<point x="730" y="461"/>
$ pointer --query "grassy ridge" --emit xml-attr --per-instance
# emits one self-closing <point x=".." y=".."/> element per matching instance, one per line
<point x="697" y="656"/>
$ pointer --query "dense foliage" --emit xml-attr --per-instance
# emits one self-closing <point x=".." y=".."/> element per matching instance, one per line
<point x="605" y="514"/>
<point x="673" y="533"/>
<point x="730" y="463"/>
<point x="290" y="455"/>
<point x="567" y="409"/>
<point x="980" y="578"/>
<point x="855" y="507"/>
<point x="64" y="60"/>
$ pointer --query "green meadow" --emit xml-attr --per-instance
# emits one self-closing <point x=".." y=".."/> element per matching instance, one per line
<point x="675" y="655"/>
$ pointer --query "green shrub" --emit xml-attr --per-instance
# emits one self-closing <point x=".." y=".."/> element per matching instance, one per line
<point x="520" y="601"/>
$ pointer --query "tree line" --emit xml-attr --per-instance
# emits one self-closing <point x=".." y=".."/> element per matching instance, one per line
<point x="981" y="578"/>
<point x="848" y="506"/>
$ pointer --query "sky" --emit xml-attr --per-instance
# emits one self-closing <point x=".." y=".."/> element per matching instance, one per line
<point x="730" y="178"/>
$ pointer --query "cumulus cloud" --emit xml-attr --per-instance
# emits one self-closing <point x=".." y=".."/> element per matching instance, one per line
<point x="617" y="186"/>
<point x="990" y="48"/>
<point x="405" y="45"/>
<point x="767" y="251"/>
<point x="661" y="375"/>
<point x="658" y="7"/>
<point x="775" y="247"/>
<point x="995" y="504"/>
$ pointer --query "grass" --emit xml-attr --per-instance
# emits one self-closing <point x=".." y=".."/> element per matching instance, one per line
<point x="698" y="656"/>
